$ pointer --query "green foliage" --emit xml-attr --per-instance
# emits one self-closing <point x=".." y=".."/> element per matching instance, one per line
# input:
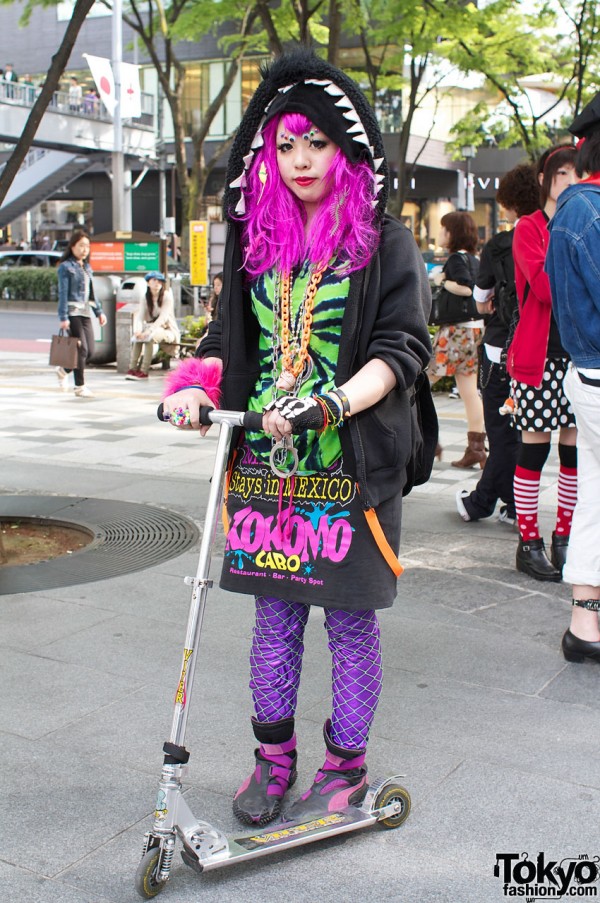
<point x="29" y="284"/>
<point x="548" y="45"/>
<point x="193" y="327"/>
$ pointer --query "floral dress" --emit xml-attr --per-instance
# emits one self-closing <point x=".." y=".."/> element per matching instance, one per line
<point x="455" y="347"/>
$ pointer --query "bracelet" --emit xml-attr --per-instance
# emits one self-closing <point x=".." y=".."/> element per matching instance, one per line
<point x="333" y="408"/>
<point x="183" y="388"/>
<point x="344" y="400"/>
<point x="325" y="410"/>
<point x="589" y="604"/>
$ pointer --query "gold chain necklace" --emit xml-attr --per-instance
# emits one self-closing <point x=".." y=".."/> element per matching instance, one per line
<point x="294" y="348"/>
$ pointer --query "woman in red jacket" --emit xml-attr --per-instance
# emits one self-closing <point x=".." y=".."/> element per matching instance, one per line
<point x="537" y="363"/>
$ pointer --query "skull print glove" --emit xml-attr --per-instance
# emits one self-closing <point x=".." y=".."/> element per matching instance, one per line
<point x="303" y="413"/>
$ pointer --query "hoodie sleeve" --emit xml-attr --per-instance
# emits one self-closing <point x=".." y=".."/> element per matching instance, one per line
<point x="400" y="336"/>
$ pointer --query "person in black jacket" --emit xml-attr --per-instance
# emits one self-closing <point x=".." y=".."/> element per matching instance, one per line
<point x="518" y="194"/>
<point x="322" y="326"/>
<point x="456" y="341"/>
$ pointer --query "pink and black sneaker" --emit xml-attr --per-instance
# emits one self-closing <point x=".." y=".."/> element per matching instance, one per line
<point x="331" y="791"/>
<point x="258" y="801"/>
<point x="341" y="782"/>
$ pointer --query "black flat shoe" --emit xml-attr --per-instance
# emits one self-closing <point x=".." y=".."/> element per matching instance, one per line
<point x="558" y="552"/>
<point x="533" y="561"/>
<point x="575" y="650"/>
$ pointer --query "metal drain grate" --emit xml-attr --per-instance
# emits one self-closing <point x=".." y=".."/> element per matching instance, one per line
<point x="127" y="538"/>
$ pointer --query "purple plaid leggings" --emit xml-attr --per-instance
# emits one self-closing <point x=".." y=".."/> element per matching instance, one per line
<point x="276" y="664"/>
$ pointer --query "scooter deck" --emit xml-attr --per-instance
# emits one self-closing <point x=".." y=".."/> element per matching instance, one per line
<point x="285" y="835"/>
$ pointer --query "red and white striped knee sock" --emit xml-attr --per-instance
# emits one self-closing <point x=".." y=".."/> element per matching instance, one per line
<point x="528" y="472"/>
<point x="527" y="493"/>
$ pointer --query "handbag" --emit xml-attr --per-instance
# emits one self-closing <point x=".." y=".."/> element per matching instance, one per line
<point x="448" y="308"/>
<point x="63" y="350"/>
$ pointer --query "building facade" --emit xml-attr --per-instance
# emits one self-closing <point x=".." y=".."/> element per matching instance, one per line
<point x="435" y="185"/>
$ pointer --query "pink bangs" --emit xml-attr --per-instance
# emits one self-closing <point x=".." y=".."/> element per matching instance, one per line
<point x="342" y="230"/>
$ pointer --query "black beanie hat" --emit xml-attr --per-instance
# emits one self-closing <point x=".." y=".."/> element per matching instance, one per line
<point x="301" y="82"/>
<point x="588" y="120"/>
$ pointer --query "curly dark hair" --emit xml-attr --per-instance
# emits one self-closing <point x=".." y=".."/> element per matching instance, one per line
<point x="519" y="190"/>
<point x="462" y="230"/>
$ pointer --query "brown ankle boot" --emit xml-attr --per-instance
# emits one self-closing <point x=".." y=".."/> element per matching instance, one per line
<point x="474" y="452"/>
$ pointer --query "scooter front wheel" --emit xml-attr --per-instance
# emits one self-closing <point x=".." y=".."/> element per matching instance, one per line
<point x="146" y="882"/>
<point x="393" y="793"/>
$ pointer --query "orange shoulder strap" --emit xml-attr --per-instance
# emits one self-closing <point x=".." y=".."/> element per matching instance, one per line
<point x="382" y="543"/>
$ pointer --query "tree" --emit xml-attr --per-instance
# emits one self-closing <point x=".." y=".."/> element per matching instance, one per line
<point x="507" y="45"/>
<point x="399" y="41"/>
<point x="51" y="83"/>
<point x="581" y="40"/>
<point x="160" y="28"/>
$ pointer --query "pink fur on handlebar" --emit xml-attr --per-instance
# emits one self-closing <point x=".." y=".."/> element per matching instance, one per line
<point x="196" y="372"/>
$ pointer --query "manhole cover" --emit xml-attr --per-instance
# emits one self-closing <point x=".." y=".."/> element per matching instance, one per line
<point x="125" y="537"/>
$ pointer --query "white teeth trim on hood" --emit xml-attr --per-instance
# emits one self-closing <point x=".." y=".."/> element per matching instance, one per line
<point x="377" y="161"/>
<point x="334" y="90"/>
<point x="355" y="128"/>
<point x="362" y="139"/>
<point x="248" y="159"/>
<point x="352" y="116"/>
<point x="240" y="207"/>
<point x="344" y="103"/>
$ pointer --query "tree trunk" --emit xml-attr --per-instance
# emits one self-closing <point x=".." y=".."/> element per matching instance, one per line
<point x="57" y="67"/>
<point x="335" y="30"/>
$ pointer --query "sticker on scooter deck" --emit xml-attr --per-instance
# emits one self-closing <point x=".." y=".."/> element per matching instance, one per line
<point x="281" y="835"/>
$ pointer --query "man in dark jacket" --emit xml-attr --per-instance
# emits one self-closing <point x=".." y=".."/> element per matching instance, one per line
<point x="518" y="194"/>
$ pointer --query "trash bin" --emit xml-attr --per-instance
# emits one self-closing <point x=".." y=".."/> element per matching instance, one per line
<point x="105" y="288"/>
<point x="129" y="292"/>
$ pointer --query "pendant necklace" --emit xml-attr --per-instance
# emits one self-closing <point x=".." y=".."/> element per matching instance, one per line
<point x="295" y="336"/>
<point x="293" y="339"/>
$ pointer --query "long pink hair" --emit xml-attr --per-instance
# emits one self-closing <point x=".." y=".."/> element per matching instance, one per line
<point x="343" y="227"/>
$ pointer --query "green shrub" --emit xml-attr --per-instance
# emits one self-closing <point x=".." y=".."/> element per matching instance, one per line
<point x="29" y="284"/>
<point x="193" y="327"/>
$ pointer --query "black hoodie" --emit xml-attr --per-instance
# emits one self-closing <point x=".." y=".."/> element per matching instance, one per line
<point x="386" y="310"/>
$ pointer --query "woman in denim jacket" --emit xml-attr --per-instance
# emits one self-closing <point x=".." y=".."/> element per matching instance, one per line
<point x="76" y="302"/>
<point x="574" y="273"/>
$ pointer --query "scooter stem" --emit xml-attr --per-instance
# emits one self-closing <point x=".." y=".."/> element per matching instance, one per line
<point x="201" y="584"/>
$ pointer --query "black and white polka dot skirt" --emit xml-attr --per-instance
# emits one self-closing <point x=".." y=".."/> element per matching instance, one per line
<point x="543" y="408"/>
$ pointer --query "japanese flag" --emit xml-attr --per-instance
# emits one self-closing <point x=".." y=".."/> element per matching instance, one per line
<point x="131" y="94"/>
<point x="102" y="74"/>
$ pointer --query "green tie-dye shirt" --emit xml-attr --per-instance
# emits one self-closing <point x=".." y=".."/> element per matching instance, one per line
<point x="316" y="451"/>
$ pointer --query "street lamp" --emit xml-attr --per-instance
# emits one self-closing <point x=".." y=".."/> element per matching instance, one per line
<point x="469" y="151"/>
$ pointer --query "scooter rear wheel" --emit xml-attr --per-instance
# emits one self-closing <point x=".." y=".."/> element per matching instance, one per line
<point x="146" y="882"/>
<point x="393" y="793"/>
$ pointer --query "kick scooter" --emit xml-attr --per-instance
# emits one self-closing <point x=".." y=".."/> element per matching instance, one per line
<point x="204" y="846"/>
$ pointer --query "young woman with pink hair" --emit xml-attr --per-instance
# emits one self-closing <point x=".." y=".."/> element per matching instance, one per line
<point x="322" y="326"/>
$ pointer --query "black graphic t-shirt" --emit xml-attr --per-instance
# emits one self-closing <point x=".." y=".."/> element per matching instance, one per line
<point x="306" y="538"/>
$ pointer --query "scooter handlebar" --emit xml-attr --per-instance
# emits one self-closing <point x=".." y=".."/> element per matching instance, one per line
<point x="251" y="420"/>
